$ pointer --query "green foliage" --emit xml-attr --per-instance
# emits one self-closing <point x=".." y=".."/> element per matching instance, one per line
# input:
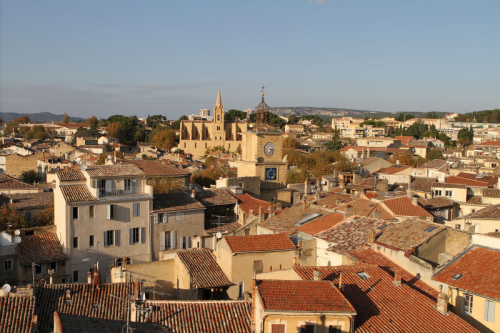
<point x="314" y="165"/>
<point x="336" y="143"/>
<point x="489" y="116"/>
<point x="164" y="184"/>
<point x="11" y="218"/>
<point x="30" y="176"/>
<point x="126" y="132"/>
<point x="148" y="158"/>
<point x="434" y="154"/>
<point x="103" y="157"/>
<point x="417" y="129"/>
<point x="374" y="123"/>
<point x="403" y="117"/>
<point x="65" y="118"/>
<point x="292" y="119"/>
<point x="465" y="136"/>
<point x="316" y="120"/>
<point x="432" y="115"/>
<point x="36" y="132"/>
<point x="92" y="123"/>
<point x="232" y="114"/>
<point x="165" y="139"/>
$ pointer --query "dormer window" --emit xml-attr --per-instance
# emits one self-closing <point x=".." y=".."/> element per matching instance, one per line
<point x="456" y="277"/>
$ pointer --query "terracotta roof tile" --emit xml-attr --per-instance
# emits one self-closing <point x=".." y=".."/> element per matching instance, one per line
<point x="434" y="164"/>
<point x="475" y="200"/>
<point x="480" y="270"/>
<point x="9" y="183"/>
<point x="157" y="168"/>
<point x="488" y="213"/>
<point x="16" y="314"/>
<point x="40" y="249"/>
<point x="393" y="169"/>
<point x="76" y="193"/>
<point x="489" y="144"/>
<point x="168" y="202"/>
<point x="51" y="298"/>
<point x="465" y="181"/>
<point x="70" y="175"/>
<point x="404" y="139"/>
<point x="246" y="203"/>
<point x="436" y="202"/>
<point x="302" y="296"/>
<point x="29" y="200"/>
<point x="409" y="234"/>
<point x="467" y="175"/>
<point x="387" y="301"/>
<point x="260" y="243"/>
<point x="331" y="198"/>
<point x="204" y="270"/>
<point x="215" y="197"/>
<point x="115" y="170"/>
<point x="201" y="316"/>
<point x="322" y="224"/>
<point x="422" y="184"/>
<point x="365" y="207"/>
<point x="491" y="192"/>
<point x="351" y="234"/>
<point x="403" y="206"/>
<point x="448" y="185"/>
<point x="226" y="228"/>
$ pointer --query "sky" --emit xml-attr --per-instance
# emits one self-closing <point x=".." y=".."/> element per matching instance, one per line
<point x="170" y="57"/>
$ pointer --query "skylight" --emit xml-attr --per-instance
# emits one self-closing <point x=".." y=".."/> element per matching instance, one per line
<point x="307" y="218"/>
<point x="363" y="275"/>
<point x="457" y="276"/>
<point x="430" y="229"/>
<point x="382" y="227"/>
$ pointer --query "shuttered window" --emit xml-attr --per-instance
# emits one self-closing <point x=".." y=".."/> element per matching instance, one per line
<point x="278" y="328"/>
<point x="137" y="209"/>
<point x="173" y="238"/>
<point x="489" y="311"/>
<point x="308" y="328"/>
<point x="257" y="266"/>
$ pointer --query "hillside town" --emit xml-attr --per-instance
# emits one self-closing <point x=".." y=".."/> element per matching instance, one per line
<point x="245" y="221"/>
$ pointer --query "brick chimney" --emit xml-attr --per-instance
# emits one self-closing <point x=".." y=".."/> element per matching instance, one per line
<point x="377" y="214"/>
<point x="244" y="218"/>
<point x="272" y="212"/>
<point x="370" y="237"/>
<point x="193" y="194"/>
<point x="340" y="280"/>
<point x="304" y="202"/>
<point x="97" y="276"/>
<point x="261" y="214"/>
<point x="348" y="211"/>
<point x="316" y="275"/>
<point x="414" y="201"/>
<point x="442" y="301"/>
<point x="397" y="277"/>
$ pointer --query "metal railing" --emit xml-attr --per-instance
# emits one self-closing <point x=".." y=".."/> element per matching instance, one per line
<point x="113" y="191"/>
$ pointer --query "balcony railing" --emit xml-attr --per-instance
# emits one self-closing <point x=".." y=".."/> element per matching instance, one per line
<point x="114" y="191"/>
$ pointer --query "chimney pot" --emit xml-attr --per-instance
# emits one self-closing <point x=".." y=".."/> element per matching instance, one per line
<point x="397" y="277"/>
<point x="316" y="275"/>
<point x="340" y="280"/>
<point x="442" y="301"/>
<point x="370" y="237"/>
<point x="279" y="206"/>
<point x="89" y="277"/>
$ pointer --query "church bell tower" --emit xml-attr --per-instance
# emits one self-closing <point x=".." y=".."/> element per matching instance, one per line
<point x="218" y="123"/>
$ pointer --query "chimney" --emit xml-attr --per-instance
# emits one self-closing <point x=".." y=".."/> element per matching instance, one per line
<point x="409" y="194"/>
<point x="316" y="275"/>
<point x="261" y="214"/>
<point x="414" y="201"/>
<point x="370" y="237"/>
<point x="193" y="194"/>
<point x="251" y="212"/>
<point x="397" y="277"/>
<point x="271" y="210"/>
<point x="97" y="276"/>
<point x="89" y="277"/>
<point x="51" y="279"/>
<point x="68" y="294"/>
<point x="254" y="290"/>
<point x="244" y="218"/>
<point x="317" y="197"/>
<point x="398" y="162"/>
<point x="348" y="211"/>
<point x="136" y="291"/>
<point x="341" y="183"/>
<point x="279" y="206"/>
<point x="296" y="261"/>
<point x="377" y="214"/>
<point x="442" y="301"/>
<point x="340" y="280"/>
<point x="304" y="201"/>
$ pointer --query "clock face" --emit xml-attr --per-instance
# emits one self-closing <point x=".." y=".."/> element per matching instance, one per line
<point x="269" y="149"/>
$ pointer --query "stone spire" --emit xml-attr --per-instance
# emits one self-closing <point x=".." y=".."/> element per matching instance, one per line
<point x="219" y="101"/>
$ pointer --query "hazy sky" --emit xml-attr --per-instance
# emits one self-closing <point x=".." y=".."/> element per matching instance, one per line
<point x="169" y="57"/>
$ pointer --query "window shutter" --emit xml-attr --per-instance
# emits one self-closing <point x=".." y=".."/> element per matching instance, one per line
<point x="138" y="209"/>
<point x="155" y="218"/>
<point x="165" y="218"/>
<point x="109" y="185"/>
<point x="163" y="241"/>
<point x="131" y="236"/>
<point x="188" y="243"/>
<point x="173" y="236"/>
<point x="105" y="239"/>
<point x="489" y="311"/>
<point x="117" y="237"/>
<point x="134" y="184"/>
<point x="143" y="235"/>
<point x="109" y="212"/>
<point x="94" y="183"/>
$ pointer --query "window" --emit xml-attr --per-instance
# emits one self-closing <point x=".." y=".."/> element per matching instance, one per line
<point x="75" y="213"/>
<point x="179" y="216"/>
<point x="134" y="235"/>
<point x="137" y="209"/>
<point x="75" y="276"/>
<point x="448" y="193"/>
<point x="8" y="265"/>
<point x="53" y="266"/>
<point x="119" y="261"/>
<point x="111" y="212"/>
<point x="468" y="304"/>
<point x="38" y="269"/>
<point x="185" y="242"/>
<point x="166" y="240"/>
<point x="457" y="276"/>
<point x="91" y="241"/>
<point x="363" y="275"/>
<point x="489" y="311"/>
<point x="438" y="193"/>
<point x="91" y="212"/>
<point x="75" y="242"/>
<point x="242" y="290"/>
<point x="278" y="328"/>
<point x="430" y="229"/>
<point x="127" y="184"/>
<point x="112" y="237"/>
<point x="257" y="266"/>
<point x="458" y="226"/>
<point x="307" y="328"/>
<point x="334" y="329"/>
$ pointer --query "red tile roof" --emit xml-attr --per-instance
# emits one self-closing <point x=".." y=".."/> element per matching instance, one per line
<point x="157" y="168"/>
<point x="29" y="200"/>
<point x="488" y="213"/>
<point x="302" y="296"/>
<point x="201" y="316"/>
<point x="115" y="170"/>
<point x="214" y="197"/>
<point x="40" y="249"/>
<point x="246" y="203"/>
<point x="409" y="234"/>
<point x="169" y="202"/>
<point x="393" y="169"/>
<point x="382" y="306"/>
<point x="404" y="139"/>
<point x="403" y="206"/>
<point x="489" y="143"/>
<point x="70" y="175"/>
<point x="226" y="228"/>
<point x="260" y="243"/>
<point x="322" y="224"/>
<point x="365" y="207"/>
<point x="370" y="195"/>
<point x="203" y="269"/>
<point x="467" y="175"/>
<point x="480" y="270"/>
<point x="465" y="181"/>
<point x="16" y="314"/>
<point x="84" y="296"/>
<point x="9" y="183"/>
<point x="76" y="193"/>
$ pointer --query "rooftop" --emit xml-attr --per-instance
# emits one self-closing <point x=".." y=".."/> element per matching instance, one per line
<point x="409" y="234"/>
<point x="448" y="185"/>
<point x="465" y="181"/>
<point x="76" y="193"/>
<point x="322" y="224"/>
<point x="246" y="203"/>
<point x="403" y="206"/>
<point x="302" y="296"/>
<point x="169" y="202"/>
<point x="204" y="270"/>
<point x="70" y="323"/>
<point x="214" y="197"/>
<point x="365" y="207"/>
<point x="436" y="202"/>
<point x="16" y="314"/>
<point x="70" y="175"/>
<point x="475" y="270"/>
<point x="393" y="169"/>
<point x="10" y="183"/>
<point x="28" y="200"/>
<point x="114" y="171"/>
<point x="260" y="243"/>
<point x="157" y="168"/>
<point x="40" y="249"/>
<point x="488" y="213"/>
<point x="435" y="164"/>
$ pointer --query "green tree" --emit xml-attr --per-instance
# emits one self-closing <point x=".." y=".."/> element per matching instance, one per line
<point x="30" y="176"/>
<point x="92" y="124"/>
<point x="434" y="154"/>
<point x="336" y="143"/>
<point x="65" y="118"/>
<point x="292" y="119"/>
<point x="165" y="139"/>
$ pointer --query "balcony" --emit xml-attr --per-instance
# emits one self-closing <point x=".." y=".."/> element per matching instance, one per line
<point x="117" y="191"/>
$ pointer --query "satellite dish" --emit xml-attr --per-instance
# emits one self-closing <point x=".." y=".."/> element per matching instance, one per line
<point x="17" y="232"/>
<point x="109" y="157"/>
<point x="83" y="167"/>
<point x="218" y="235"/>
<point x="6" y="288"/>
<point x="17" y="239"/>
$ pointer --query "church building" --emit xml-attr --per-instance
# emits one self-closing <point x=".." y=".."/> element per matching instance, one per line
<point x="195" y="136"/>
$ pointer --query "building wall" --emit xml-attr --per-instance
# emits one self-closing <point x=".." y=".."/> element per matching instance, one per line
<point x="16" y="164"/>
<point x="478" y="226"/>
<point x="250" y="185"/>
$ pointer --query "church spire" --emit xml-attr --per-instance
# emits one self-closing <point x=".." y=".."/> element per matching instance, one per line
<point x="219" y="102"/>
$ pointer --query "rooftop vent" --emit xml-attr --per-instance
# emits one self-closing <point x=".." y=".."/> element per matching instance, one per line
<point x="382" y="227"/>
<point x="430" y="229"/>
<point x="363" y="275"/>
<point x="307" y="218"/>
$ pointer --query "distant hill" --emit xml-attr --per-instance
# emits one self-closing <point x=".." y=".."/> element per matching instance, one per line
<point x="329" y="113"/>
<point x="36" y="117"/>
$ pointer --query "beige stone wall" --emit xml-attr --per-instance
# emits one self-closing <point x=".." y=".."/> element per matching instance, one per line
<point x="293" y="321"/>
<point x="16" y="164"/>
